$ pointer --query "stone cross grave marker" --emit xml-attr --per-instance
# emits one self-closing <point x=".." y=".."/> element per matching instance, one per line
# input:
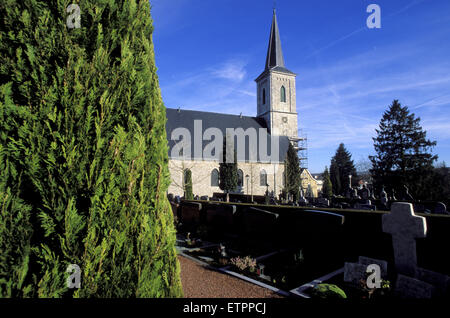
<point x="405" y="227"/>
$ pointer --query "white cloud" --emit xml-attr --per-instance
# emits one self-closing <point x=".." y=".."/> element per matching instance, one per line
<point x="233" y="70"/>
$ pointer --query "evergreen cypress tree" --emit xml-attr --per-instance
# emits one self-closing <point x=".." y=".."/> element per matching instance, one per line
<point x="228" y="171"/>
<point x="83" y="153"/>
<point x="402" y="153"/>
<point x="189" y="195"/>
<point x="327" y="188"/>
<point x="293" y="172"/>
<point x="341" y="167"/>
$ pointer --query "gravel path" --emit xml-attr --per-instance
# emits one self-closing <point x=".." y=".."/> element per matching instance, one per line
<point x="200" y="282"/>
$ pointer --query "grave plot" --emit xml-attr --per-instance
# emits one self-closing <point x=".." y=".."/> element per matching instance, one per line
<point x="309" y="240"/>
<point x="403" y="278"/>
<point x="352" y="281"/>
<point x="284" y="270"/>
<point x="215" y="255"/>
<point x="191" y="216"/>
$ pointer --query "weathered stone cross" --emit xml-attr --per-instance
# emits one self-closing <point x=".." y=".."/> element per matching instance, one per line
<point x="405" y="227"/>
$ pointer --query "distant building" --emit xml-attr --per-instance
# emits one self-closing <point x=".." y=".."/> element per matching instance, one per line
<point x="318" y="177"/>
<point x="276" y="112"/>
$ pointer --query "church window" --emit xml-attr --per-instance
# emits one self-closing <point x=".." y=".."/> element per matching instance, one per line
<point x="215" y="178"/>
<point x="283" y="94"/>
<point x="240" y="178"/>
<point x="264" y="96"/>
<point x="263" y="178"/>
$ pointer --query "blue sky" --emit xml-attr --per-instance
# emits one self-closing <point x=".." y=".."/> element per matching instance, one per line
<point x="209" y="52"/>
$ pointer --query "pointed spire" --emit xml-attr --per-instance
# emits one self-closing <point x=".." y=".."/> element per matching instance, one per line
<point x="274" y="52"/>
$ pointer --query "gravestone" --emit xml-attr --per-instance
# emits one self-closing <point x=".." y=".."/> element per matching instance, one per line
<point x="259" y="222"/>
<point x="405" y="227"/>
<point x="302" y="201"/>
<point x="220" y="216"/>
<point x="355" y="194"/>
<point x="364" y="193"/>
<point x="190" y="213"/>
<point x="319" y="233"/>
<point x="405" y="195"/>
<point x="349" y="192"/>
<point x="440" y="282"/>
<point x="408" y="287"/>
<point x="366" y="205"/>
<point x="440" y="208"/>
<point x="355" y="272"/>
<point x="419" y="207"/>
<point x="384" y="198"/>
<point x="368" y="261"/>
<point x="323" y="202"/>
<point x="393" y="198"/>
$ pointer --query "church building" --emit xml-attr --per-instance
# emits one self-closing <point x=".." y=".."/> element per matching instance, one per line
<point x="276" y="114"/>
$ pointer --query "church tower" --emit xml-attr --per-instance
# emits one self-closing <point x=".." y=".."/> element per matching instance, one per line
<point x="276" y="90"/>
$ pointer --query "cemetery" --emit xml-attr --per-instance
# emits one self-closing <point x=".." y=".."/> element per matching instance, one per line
<point x="319" y="252"/>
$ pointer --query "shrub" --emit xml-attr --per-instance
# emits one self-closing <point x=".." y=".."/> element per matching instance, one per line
<point x="328" y="291"/>
<point x="83" y="153"/>
<point x="243" y="264"/>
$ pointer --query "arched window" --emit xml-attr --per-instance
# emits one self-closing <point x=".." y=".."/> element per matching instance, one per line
<point x="215" y="178"/>
<point x="264" y="96"/>
<point x="240" y="178"/>
<point x="263" y="178"/>
<point x="283" y="94"/>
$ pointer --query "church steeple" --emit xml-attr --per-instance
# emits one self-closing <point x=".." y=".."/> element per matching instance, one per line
<point x="276" y="94"/>
<point x="274" y="52"/>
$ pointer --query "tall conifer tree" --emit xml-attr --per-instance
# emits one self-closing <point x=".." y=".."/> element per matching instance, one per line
<point x="293" y="172"/>
<point x="189" y="195"/>
<point x="341" y="167"/>
<point x="327" y="188"/>
<point x="83" y="153"/>
<point x="228" y="170"/>
<point x="403" y="153"/>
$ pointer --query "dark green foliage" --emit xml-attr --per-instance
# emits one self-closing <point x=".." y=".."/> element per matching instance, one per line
<point x="228" y="171"/>
<point x="327" y="188"/>
<point x="83" y="153"/>
<point x="402" y="153"/>
<point x="341" y="167"/>
<point x="293" y="172"/>
<point x="440" y="190"/>
<point x="188" y="194"/>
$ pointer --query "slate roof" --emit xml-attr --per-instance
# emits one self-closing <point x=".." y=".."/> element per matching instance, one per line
<point x="185" y="119"/>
